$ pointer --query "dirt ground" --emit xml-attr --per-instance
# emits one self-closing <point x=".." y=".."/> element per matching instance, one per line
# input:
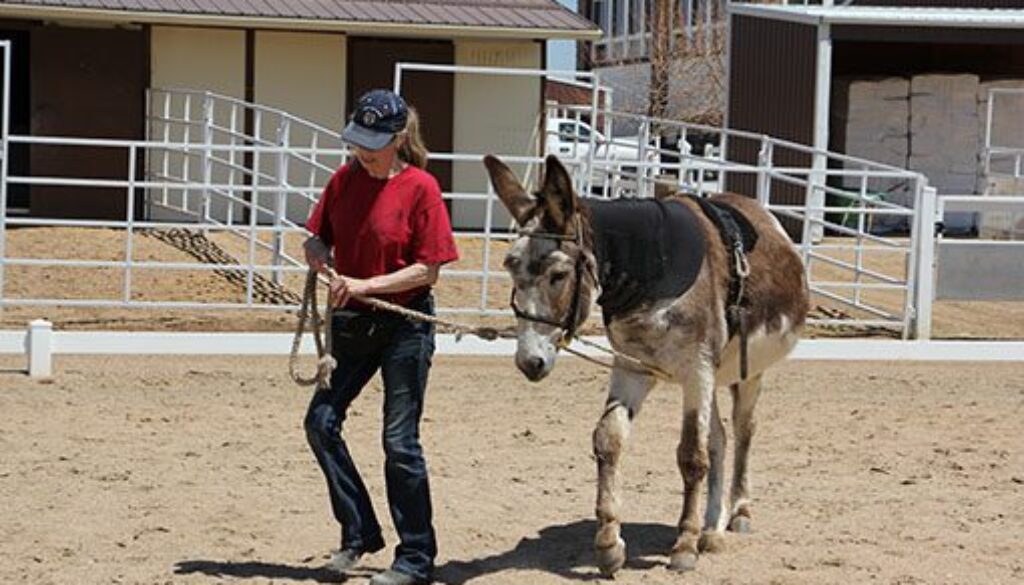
<point x="169" y="470"/>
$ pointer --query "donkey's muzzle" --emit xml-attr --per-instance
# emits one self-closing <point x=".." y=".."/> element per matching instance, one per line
<point x="533" y="367"/>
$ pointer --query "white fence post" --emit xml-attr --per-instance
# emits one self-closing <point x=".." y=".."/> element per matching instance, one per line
<point x="764" y="179"/>
<point x="207" y="156"/>
<point x="924" y="288"/>
<point x="39" y="347"/>
<point x="5" y="114"/>
<point x="281" y="199"/>
<point x="822" y="91"/>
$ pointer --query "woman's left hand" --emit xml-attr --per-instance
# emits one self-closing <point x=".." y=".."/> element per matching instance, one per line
<point x="344" y="288"/>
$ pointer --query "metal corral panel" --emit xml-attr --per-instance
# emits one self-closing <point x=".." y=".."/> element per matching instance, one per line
<point x="980" y="271"/>
<point x="771" y="91"/>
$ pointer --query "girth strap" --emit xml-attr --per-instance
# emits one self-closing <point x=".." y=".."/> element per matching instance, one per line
<point x="739" y="237"/>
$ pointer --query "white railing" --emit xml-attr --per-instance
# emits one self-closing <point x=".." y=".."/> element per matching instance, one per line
<point x="217" y="129"/>
<point x="209" y="172"/>
<point x="1001" y="159"/>
<point x="196" y="198"/>
<point x="5" y="148"/>
<point x="991" y="266"/>
<point x="867" y="277"/>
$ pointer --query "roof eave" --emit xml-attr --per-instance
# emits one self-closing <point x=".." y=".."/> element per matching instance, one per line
<point x="322" y="25"/>
<point x="764" y="11"/>
<point x="934" y="17"/>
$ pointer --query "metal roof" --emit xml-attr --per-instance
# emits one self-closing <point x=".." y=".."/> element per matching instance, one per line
<point x="509" y="18"/>
<point x="887" y="15"/>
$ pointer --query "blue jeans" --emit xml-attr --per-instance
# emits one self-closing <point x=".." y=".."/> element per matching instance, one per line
<point x="404" y="364"/>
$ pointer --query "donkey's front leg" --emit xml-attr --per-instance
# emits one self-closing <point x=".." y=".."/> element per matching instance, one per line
<point x="692" y="456"/>
<point x="626" y="392"/>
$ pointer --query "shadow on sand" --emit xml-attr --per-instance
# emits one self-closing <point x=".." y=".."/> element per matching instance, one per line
<point x="253" y="569"/>
<point x="565" y="550"/>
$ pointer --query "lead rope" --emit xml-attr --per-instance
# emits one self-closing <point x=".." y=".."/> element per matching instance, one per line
<point x="325" y="358"/>
<point x="321" y="330"/>
<point x="326" y="363"/>
<point x="635" y="364"/>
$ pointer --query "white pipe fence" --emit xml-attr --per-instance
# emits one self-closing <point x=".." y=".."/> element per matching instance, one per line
<point x="209" y="170"/>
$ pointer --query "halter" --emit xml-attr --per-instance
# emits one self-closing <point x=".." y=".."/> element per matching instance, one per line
<point x="571" y="321"/>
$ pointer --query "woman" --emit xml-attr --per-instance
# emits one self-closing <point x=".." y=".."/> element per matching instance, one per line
<point x="383" y="218"/>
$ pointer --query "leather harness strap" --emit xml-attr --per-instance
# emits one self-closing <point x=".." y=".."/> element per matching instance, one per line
<point x="738" y="242"/>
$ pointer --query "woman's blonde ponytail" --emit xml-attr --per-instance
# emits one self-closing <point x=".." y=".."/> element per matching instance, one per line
<point x="412" y="150"/>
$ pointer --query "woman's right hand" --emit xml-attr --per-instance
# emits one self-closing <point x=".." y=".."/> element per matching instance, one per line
<point x="318" y="255"/>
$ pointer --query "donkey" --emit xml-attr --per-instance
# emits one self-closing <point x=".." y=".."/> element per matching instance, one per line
<point x="666" y="302"/>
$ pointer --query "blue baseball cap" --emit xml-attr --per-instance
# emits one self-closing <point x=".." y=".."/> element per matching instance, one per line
<point x="379" y="115"/>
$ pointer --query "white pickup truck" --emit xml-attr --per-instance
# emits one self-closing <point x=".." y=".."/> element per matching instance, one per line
<point x="614" y="159"/>
<point x="570" y="138"/>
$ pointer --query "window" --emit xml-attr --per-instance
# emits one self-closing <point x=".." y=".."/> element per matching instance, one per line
<point x="599" y="14"/>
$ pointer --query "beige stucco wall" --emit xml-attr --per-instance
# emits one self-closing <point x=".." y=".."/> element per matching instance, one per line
<point x="302" y="74"/>
<point x="493" y="114"/>
<point x="203" y="59"/>
<point x="199" y="58"/>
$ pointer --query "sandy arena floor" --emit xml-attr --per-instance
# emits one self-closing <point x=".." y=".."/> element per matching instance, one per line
<point x="173" y="470"/>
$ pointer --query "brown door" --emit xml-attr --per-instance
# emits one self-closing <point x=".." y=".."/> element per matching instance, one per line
<point x="86" y="83"/>
<point x="371" y="64"/>
<point x="17" y="163"/>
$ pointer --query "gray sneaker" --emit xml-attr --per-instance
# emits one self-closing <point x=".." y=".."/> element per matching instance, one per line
<point x="344" y="560"/>
<point x="393" y="577"/>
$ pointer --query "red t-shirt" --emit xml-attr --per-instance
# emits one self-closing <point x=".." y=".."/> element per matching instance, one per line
<point x="378" y="226"/>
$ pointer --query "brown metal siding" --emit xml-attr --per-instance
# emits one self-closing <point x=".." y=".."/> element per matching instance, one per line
<point x="86" y="83"/>
<point x="985" y="56"/>
<point x="17" y="33"/>
<point x="771" y="91"/>
<point x="371" y="64"/>
<point x="947" y="35"/>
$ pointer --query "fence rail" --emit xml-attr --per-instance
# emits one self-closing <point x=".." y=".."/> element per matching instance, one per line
<point x="249" y="187"/>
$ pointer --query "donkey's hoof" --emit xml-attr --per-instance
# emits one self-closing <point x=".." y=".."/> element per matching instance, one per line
<point x="682" y="561"/>
<point x="740" y="524"/>
<point x="611" y="558"/>
<point x="711" y="542"/>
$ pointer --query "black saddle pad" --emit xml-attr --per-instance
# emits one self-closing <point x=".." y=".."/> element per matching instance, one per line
<point x="646" y="250"/>
<point x="730" y="223"/>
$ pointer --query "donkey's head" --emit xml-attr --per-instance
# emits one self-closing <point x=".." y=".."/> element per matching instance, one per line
<point x="551" y="263"/>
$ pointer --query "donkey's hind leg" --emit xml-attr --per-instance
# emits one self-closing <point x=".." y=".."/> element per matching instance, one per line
<point x="626" y="393"/>
<point x="692" y="456"/>
<point x="744" y="399"/>
<point x="712" y="539"/>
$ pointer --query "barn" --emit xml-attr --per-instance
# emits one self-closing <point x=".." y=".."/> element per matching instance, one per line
<point x="84" y="68"/>
<point x="903" y="82"/>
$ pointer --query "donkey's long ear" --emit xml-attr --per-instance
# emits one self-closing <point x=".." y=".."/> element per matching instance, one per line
<point x="509" y="190"/>
<point x="558" y="194"/>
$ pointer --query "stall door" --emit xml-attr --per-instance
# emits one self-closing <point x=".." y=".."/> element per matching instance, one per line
<point x="371" y="64"/>
<point x="87" y="83"/>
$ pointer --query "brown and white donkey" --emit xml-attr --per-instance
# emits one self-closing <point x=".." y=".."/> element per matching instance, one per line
<point x="668" y="285"/>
